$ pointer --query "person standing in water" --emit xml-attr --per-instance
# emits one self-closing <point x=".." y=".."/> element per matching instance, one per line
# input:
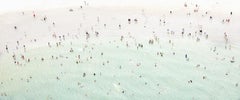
<point x="7" y="48"/>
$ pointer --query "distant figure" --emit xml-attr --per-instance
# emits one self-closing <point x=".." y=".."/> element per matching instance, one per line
<point x="49" y="45"/>
<point x="211" y="17"/>
<point x="17" y="42"/>
<point x="135" y="20"/>
<point x="119" y="26"/>
<point x="206" y="36"/>
<point x="84" y="74"/>
<point x="24" y="47"/>
<point x="190" y="81"/>
<point x="232" y="61"/>
<point x="151" y="41"/>
<point x="7" y="48"/>
<point x="198" y="39"/>
<point x="204" y="77"/>
<point x="121" y="38"/>
<point x="129" y="21"/>
<point x="183" y="31"/>
<point x="70" y="10"/>
<point x="22" y="56"/>
<point x="71" y="50"/>
<point x="186" y="56"/>
<point x="195" y="10"/>
<point x="96" y="33"/>
<point x="227" y="20"/>
<point x="42" y="59"/>
<point x="87" y="35"/>
<point x="185" y="4"/>
<point x="28" y="60"/>
<point x="45" y="18"/>
<point x="34" y="15"/>
<point x="226" y="37"/>
<point x="14" y="57"/>
<point x="15" y="27"/>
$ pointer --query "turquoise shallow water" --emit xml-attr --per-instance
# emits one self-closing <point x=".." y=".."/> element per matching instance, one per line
<point x="116" y="75"/>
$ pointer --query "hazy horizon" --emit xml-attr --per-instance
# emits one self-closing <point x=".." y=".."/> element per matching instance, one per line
<point x="21" y="5"/>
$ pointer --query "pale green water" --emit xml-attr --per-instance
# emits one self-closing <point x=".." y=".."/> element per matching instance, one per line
<point x="167" y="80"/>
